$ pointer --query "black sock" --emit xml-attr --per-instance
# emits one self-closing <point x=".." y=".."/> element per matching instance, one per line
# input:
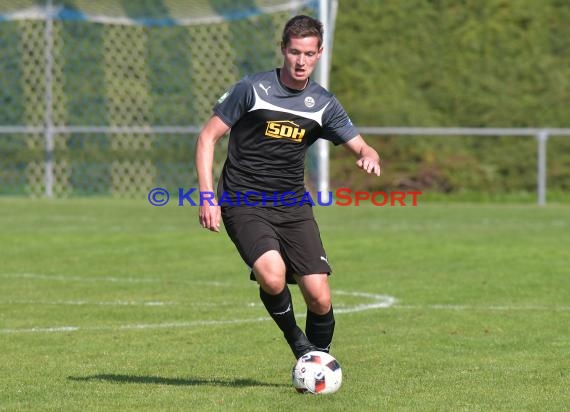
<point x="320" y="329"/>
<point x="280" y="308"/>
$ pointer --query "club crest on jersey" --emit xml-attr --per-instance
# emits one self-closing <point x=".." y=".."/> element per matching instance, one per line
<point x="284" y="129"/>
<point x="309" y="101"/>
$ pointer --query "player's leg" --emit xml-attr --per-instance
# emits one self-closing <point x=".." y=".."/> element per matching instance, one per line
<point x="320" y="321"/>
<point x="269" y="270"/>
<point x="257" y="242"/>
<point x="305" y="255"/>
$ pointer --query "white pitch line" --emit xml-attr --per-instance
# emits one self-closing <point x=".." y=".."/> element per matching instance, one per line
<point x="59" y="278"/>
<point x="378" y="301"/>
<point x="136" y="326"/>
<point x="126" y="303"/>
<point x="110" y="279"/>
<point x="41" y="330"/>
<point x="531" y="308"/>
<point x="85" y="303"/>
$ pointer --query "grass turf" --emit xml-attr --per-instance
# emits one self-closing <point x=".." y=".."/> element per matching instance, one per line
<point x="118" y="305"/>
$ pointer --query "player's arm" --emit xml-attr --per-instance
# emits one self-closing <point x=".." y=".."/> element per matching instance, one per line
<point x="208" y="216"/>
<point x="368" y="158"/>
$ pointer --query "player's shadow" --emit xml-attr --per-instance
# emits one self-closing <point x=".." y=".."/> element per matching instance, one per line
<point x="159" y="380"/>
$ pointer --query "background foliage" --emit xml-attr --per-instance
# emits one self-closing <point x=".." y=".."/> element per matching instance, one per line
<point x="491" y="63"/>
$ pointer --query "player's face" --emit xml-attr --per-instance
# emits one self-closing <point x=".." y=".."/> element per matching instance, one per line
<point x="301" y="55"/>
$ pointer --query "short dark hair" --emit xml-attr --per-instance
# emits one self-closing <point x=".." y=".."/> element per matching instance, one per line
<point x="302" y="26"/>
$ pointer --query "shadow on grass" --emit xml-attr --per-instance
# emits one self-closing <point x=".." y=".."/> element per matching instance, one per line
<point x="158" y="380"/>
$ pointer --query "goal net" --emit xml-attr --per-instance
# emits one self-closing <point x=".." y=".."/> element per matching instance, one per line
<point x="106" y="97"/>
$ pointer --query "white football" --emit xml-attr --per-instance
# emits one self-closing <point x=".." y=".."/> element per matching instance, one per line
<point x="318" y="373"/>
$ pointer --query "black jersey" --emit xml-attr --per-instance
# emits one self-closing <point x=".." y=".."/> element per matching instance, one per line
<point x="271" y="128"/>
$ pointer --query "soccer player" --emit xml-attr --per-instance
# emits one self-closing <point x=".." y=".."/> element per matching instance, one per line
<point x="274" y="117"/>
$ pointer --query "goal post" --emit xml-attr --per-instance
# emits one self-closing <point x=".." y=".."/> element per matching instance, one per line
<point x="327" y="15"/>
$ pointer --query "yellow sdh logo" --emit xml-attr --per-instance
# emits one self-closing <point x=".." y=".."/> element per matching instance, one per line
<point x="285" y="129"/>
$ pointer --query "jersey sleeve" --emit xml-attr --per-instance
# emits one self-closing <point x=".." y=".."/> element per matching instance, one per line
<point x="337" y="126"/>
<point x="231" y="106"/>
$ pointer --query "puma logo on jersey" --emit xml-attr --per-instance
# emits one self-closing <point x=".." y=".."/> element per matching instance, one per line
<point x="284" y="129"/>
<point x="266" y="90"/>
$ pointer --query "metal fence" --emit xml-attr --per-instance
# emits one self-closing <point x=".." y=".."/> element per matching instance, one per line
<point x="185" y="137"/>
<point x="541" y="136"/>
<point x="97" y="97"/>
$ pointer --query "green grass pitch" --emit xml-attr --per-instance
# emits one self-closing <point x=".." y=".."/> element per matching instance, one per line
<point x="118" y="305"/>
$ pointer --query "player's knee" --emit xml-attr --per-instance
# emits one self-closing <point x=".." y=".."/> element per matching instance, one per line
<point x="269" y="271"/>
<point x="319" y="304"/>
<point x="271" y="280"/>
<point x="271" y="285"/>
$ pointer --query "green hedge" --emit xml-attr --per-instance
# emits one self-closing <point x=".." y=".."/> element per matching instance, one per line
<point x="491" y="63"/>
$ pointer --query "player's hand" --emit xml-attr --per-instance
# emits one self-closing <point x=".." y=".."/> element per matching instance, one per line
<point x="210" y="217"/>
<point x="369" y="165"/>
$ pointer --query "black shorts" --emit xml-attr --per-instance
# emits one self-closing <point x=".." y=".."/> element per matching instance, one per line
<point x="292" y="231"/>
